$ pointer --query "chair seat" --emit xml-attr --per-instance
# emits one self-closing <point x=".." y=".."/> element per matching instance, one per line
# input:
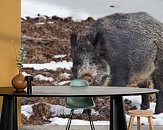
<point x="80" y="102"/>
<point x="140" y="113"/>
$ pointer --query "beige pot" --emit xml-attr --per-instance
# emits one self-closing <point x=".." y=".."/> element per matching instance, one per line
<point x="18" y="82"/>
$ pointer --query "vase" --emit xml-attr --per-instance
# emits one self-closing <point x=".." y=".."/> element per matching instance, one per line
<point x="18" y="82"/>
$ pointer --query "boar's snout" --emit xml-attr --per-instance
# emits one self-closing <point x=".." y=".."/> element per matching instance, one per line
<point x="89" y="78"/>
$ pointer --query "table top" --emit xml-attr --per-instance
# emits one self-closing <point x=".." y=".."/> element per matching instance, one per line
<point x="64" y="91"/>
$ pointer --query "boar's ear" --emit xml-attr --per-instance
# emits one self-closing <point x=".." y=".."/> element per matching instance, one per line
<point x="95" y="38"/>
<point x="73" y="39"/>
<point x="98" y="38"/>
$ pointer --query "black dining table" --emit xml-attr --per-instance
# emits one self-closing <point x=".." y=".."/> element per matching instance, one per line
<point x="117" y="116"/>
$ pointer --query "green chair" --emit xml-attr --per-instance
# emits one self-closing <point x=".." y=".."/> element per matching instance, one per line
<point x="86" y="103"/>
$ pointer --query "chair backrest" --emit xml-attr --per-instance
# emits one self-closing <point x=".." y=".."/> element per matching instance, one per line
<point x="79" y="83"/>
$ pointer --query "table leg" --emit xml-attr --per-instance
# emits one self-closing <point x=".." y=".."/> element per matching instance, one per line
<point x="117" y="115"/>
<point x="9" y="113"/>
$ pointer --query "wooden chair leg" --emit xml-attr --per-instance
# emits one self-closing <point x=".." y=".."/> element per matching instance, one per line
<point x="150" y="123"/>
<point x="131" y="123"/>
<point x="138" y="123"/>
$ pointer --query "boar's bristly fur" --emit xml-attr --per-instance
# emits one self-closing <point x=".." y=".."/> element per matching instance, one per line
<point x="122" y="49"/>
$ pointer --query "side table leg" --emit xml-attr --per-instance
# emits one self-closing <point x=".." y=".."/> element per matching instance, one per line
<point x="117" y="115"/>
<point x="9" y="113"/>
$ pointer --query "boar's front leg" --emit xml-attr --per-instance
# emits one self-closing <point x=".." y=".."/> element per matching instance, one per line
<point x="145" y="97"/>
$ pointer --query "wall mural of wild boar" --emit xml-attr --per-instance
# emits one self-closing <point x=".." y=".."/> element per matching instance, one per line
<point x="119" y="50"/>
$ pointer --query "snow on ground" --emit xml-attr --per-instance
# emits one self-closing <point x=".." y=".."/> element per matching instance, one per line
<point x="59" y="56"/>
<point x="58" y="110"/>
<point x="62" y="110"/>
<point x="61" y="83"/>
<point x="41" y="77"/>
<point x="136" y="100"/>
<point x="26" y="110"/>
<point x="25" y="74"/>
<point x="49" y="66"/>
<point x="79" y="10"/>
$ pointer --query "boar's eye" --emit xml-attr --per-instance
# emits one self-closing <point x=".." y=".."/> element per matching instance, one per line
<point x="93" y="61"/>
<point x="78" y="63"/>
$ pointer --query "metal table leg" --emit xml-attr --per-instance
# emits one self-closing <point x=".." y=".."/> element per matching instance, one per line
<point x="117" y="115"/>
<point x="9" y="113"/>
